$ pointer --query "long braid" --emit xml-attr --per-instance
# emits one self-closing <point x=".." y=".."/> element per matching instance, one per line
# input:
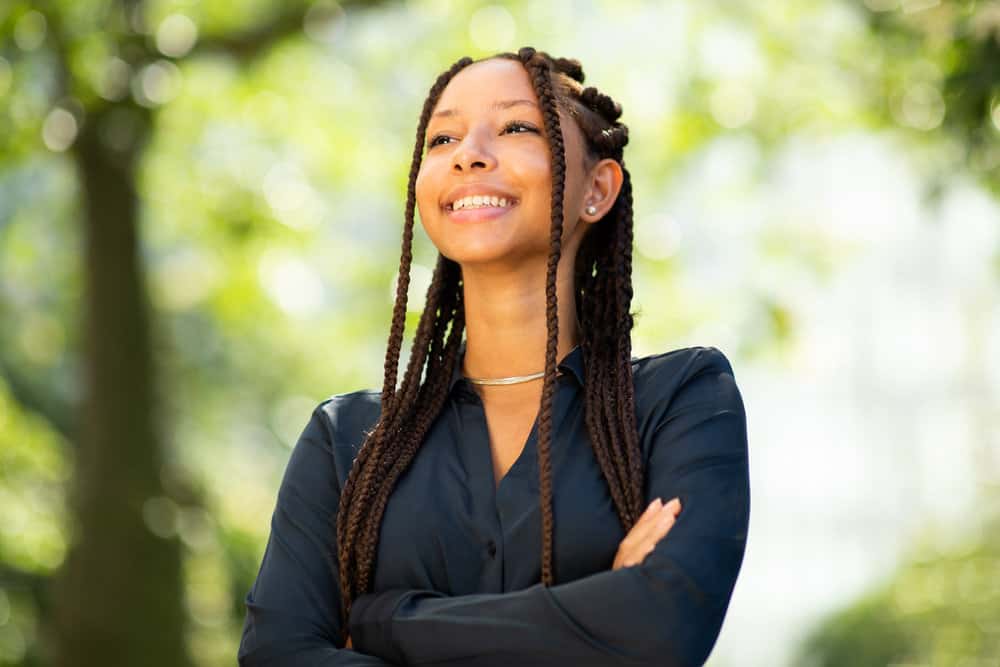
<point x="626" y="413"/>
<point x="355" y="508"/>
<point x="594" y="315"/>
<point x="603" y="293"/>
<point x="607" y="334"/>
<point x="427" y="406"/>
<point x="539" y="70"/>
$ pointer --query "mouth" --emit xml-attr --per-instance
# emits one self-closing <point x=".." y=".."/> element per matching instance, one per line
<point x="480" y="212"/>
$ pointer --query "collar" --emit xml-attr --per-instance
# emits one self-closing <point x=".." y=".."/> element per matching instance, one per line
<point x="572" y="363"/>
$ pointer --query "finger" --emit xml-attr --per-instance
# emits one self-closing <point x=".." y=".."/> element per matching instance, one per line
<point x="644" y="522"/>
<point x="664" y="523"/>
<point x="651" y="509"/>
<point x="641" y="531"/>
<point x="635" y="551"/>
<point x="637" y="557"/>
<point x="648" y="529"/>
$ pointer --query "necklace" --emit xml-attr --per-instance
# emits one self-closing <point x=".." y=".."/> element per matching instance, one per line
<point x="511" y="380"/>
<point x="514" y="379"/>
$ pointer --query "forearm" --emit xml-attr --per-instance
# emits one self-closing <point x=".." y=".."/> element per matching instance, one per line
<point x="624" y="617"/>
<point x="314" y="656"/>
<point x="317" y="656"/>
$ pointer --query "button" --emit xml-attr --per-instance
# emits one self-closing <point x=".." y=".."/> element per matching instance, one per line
<point x="491" y="547"/>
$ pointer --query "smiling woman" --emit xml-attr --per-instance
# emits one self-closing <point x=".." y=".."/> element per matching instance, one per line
<point x="485" y="512"/>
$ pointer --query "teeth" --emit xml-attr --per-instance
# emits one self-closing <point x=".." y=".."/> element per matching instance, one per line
<point x="480" y="201"/>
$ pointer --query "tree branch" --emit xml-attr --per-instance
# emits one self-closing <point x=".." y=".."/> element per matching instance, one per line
<point x="251" y="43"/>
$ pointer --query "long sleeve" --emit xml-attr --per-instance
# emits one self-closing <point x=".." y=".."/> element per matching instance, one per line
<point x="293" y="608"/>
<point x="666" y="611"/>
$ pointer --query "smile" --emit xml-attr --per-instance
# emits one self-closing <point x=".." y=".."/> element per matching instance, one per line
<point x="480" y="201"/>
<point x="476" y="209"/>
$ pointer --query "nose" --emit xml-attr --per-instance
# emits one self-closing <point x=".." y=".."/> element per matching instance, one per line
<point x="472" y="152"/>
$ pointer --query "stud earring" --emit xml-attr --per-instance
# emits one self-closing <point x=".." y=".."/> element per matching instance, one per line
<point x="591" y="210"/>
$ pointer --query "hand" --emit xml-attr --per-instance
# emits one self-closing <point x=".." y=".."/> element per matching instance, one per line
<point x="654" y="523"/>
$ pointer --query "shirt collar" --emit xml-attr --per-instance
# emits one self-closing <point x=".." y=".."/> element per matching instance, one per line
<point x="572" y="362"/>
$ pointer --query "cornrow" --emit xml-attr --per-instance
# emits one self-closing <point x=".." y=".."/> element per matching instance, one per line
<point x="603" y="294"/>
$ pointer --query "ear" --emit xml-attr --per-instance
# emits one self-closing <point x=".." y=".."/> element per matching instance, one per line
<point x="604" y="181"/>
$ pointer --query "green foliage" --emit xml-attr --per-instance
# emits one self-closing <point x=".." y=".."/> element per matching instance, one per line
<point x="944" y="72"/>
<point x="939" y="608"/>
<point x="33" y="470"/>
<point x="271" y="185"/>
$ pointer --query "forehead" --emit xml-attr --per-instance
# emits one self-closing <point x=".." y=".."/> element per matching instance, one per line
<point x="476" y="87"/>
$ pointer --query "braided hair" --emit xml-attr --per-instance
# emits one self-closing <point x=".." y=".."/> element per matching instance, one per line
<point x="603" y="293"/>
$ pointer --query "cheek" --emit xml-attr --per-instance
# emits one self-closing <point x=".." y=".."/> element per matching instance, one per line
<point x="424" y="188"/>
<point x="532" y="172"/>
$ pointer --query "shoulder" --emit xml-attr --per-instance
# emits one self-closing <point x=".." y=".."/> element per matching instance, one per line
<point x="674" y="368"/>
<point x="685" y="376"/>
<point x="683" y="361"/>
<point x="346" y="417"/>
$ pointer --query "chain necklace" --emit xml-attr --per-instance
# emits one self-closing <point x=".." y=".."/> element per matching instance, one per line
<point x="511" y="380"/>
<point x="514" y="379"/>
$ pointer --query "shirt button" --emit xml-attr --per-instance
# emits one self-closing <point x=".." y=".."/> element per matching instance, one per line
<point x="491" y="547"/>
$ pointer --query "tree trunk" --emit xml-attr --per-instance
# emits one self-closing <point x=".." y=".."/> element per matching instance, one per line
<point x="119" y="596"/>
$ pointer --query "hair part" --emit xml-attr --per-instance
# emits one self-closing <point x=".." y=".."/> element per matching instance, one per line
<point x="603" y="293"/>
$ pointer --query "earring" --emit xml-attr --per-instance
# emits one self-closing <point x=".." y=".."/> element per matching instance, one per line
<point x="591" y="210"/>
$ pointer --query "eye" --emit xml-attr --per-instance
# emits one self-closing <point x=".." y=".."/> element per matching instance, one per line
<point x="434" y="141"/>
<point x="516" y="123"/>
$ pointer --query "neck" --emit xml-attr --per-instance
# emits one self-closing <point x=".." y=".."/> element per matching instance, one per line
<point x="506" y="325"/>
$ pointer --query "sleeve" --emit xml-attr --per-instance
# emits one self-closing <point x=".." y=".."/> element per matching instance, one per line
<point x="293" y="608"/>
<point x="666" y="611"/>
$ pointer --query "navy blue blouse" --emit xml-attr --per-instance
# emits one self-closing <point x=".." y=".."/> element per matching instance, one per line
<point x="458" y="571"/>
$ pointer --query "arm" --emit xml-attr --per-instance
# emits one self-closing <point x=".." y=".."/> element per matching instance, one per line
<point x="668" y="610"/>
<point x="293" y="609"/>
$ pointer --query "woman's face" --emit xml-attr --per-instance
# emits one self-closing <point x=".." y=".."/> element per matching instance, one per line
<point x="486" y="137"/>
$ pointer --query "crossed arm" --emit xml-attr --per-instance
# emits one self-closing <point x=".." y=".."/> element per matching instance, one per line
<point x="667" y="610"/>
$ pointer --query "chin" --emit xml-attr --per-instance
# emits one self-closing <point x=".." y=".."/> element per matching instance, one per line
<point x="476" y="254"/>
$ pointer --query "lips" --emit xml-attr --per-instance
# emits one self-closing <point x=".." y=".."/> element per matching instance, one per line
<point x="471" y="189"/>
<point x="480" y="214"/>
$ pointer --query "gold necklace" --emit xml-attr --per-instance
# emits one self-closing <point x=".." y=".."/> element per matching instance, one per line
<point x="514" y="379"/>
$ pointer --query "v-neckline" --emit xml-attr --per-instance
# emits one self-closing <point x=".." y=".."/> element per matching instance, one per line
<point x="528" y="447"/>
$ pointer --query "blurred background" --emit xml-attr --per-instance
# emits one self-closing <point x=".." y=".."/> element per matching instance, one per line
<point x="201" y="204"/>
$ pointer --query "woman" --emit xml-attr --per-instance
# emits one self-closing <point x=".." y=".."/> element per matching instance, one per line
<point x="493" y="513"/>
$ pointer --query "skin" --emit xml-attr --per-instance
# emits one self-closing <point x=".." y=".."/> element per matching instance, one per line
<point x="651" y="527"/>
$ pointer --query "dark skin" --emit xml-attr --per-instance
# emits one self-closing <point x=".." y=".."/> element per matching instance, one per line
<point x="503" y="258"/>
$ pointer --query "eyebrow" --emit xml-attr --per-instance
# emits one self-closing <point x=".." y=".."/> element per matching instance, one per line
<point x="499" y="105"/>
